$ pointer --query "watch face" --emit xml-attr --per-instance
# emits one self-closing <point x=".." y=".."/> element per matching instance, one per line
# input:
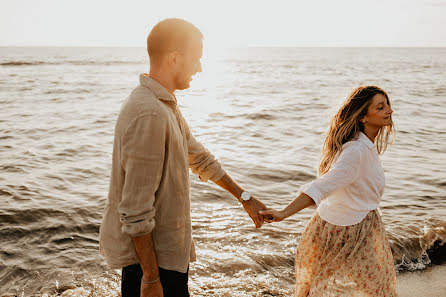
<point x="245" y="196"/>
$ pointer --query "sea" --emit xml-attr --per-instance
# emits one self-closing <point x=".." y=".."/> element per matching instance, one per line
<point x="262" y="112"/>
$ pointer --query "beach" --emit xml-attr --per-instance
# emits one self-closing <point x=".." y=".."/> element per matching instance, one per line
<point x="261" y="111"/>
<point x="430" y="282"/>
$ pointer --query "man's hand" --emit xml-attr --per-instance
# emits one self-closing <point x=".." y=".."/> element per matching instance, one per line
<point x="151" y="290"/>
<point x="252" y="207"/>
<point x="147" y="259"/>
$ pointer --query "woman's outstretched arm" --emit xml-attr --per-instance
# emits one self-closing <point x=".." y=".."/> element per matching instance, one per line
<point x="300" y="202"/>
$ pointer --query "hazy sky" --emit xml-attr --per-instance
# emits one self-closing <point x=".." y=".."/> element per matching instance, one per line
<point x="227" y="22"/>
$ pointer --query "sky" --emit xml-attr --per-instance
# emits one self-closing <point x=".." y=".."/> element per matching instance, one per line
<point x="226" y="23"/>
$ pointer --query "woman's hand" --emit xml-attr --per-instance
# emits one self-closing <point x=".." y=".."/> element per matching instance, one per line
<point x="271" y="215"/>
<point x="300" y="202"/>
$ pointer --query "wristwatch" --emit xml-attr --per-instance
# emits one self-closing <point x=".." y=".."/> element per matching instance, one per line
<point x="244" y="197"/>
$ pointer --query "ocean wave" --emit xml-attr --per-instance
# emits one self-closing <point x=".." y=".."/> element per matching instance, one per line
<point x="429" y="248"/>
<point x="11" y="168"/>
<point x="261" y="116"/>
<point x="103" y="62"/>
<point x="20" y="63"/>
<point x="72" y="62"/>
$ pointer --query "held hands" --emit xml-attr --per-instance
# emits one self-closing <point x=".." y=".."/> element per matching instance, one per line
<point x="253" y="207"/>
<point x="260" y="214"/>
<point x="270" y="215"/>
<point x="300" y="202"/>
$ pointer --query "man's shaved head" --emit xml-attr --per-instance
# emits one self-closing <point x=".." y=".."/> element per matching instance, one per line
<point x="170" y="35"/>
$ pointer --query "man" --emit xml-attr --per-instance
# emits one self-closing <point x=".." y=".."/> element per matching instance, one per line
<point x="146" y="228"/>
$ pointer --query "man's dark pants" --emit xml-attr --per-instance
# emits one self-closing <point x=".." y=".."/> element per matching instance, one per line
<point x="174" y="283"/>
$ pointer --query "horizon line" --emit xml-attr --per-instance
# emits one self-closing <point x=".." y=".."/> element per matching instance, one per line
<point x="236" y="46"/>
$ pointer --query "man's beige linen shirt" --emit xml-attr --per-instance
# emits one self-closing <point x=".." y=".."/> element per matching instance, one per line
<point x="149" y="184"/>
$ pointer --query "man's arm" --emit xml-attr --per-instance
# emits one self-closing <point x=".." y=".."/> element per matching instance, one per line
<point x="251" y="206"/>
<point x="150" y="283"/>
<point x="203" y="163"/>
<point x="142" y="155"/>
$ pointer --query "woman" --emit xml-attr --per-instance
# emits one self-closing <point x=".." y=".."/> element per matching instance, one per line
<point x="344" y="250"/>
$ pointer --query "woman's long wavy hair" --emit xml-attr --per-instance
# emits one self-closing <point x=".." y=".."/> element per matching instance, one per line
<point x="346" y="125"/>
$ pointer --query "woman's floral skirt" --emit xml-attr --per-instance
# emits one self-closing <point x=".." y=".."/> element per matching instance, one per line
<point x="353" y="261"/>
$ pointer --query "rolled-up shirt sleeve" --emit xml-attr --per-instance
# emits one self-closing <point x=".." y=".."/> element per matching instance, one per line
<point x="201" y="161"/>
<point x="343" y="172"/>
<point x="142" y="158"/>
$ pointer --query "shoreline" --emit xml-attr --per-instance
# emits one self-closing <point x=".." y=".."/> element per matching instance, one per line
<point x="426" y="282"/>
<point x="430" y="281"/>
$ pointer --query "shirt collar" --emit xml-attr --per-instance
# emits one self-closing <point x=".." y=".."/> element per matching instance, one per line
<point x="158" y="89"/>
<point x="364" y="139"/>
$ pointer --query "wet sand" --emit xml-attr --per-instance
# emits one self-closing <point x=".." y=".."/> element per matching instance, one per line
<point x="430" y="282"/>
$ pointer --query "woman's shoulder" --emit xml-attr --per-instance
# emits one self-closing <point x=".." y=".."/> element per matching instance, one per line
<point x="357" y="143"/>
<point x="354" y="148"/>
<point x="351" y="145"/>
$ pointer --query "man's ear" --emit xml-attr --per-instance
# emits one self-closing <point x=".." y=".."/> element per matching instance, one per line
<point x="172" y="58"/>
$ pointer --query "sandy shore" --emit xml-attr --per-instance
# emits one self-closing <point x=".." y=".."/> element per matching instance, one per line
<point x="430" y="282"/>
<point x="427" y="283"/>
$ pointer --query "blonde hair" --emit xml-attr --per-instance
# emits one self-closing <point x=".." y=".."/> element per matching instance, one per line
<point x="346" y="125"/>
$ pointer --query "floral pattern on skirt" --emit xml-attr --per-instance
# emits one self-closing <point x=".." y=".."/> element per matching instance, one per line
<point x="353" y="261"/>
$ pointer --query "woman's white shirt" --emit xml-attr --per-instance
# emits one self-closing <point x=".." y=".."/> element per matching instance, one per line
<point x="352" y="187"/>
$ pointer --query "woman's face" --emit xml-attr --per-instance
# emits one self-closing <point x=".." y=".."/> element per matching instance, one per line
<point x="379" y="113"/>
